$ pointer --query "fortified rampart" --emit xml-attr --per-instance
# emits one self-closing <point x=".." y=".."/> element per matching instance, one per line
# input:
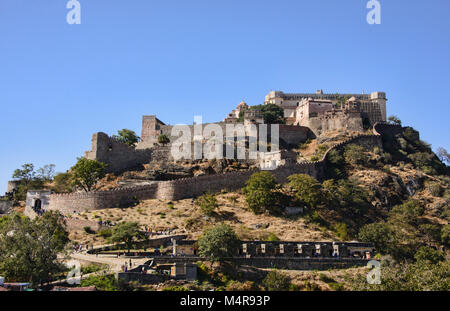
<point x="335" y="120"/>
<point x="118" y="156"/>
<point x="192" y="187"/>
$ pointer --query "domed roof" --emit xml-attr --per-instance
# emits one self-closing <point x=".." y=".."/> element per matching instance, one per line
<point x="352" y="99"/>
<point x="242" y="106"/>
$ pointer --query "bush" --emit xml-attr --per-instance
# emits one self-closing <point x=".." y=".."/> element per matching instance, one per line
<point x="435" y="189"/>
<point x="272" y="237"/>
<point x="163" y="139"/>
<point x="277" y="281"/>
<point x="93" y="268"/>
<point x="101" y="282"/>
<point x="428" y="254"/>
<point x="62" y="183"/>
<point x="445" y="235"/>
<point x="336" y="286"/>
<point x="207" y="203"/>
<point x="325" y="278"/>
<point x="341" y="231"/>
<point x="307" y="189"/>
<point x="354" y="154"/>
<point x="104" y="233"/>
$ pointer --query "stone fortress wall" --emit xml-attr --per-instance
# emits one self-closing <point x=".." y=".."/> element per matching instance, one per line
<point x="195" y="186"/>
<point x="118" y="156"/>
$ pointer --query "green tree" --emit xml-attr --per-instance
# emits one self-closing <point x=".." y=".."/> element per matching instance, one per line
<point x="47" y="172"/>
<point x="207" y="203"/>
<point x="128" y="233"/>
<point x="273" y="114"/>
<point x="261" y="193"/>
<point x="218" y="242"/>
<point x="62" y="182"/>
<point x="307" y="189"/>
<point x="128" y="137"/>
<point x="27" y="179"/>
<point x="163" y="139"/>
<point x="380" y="234"/>
<point x="394" y="120"/>
<point x="86" y="173"/>
<point x="26" y="174"/>
<point x="277" y="281"/>
<point x="29" y="248"/>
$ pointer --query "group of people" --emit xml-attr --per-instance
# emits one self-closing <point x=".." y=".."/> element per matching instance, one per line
<point x="79" y="247"/>
<point x="126" y="266"/>
<point x="149" y="231"/>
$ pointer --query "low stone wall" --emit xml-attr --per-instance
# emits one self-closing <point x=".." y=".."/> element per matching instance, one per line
<point x="6" y="206"/>
<point x="288" y="263"/>
<point x="301" y="263"/>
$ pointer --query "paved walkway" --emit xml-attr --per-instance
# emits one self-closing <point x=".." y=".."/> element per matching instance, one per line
<point x="112" y="261"/>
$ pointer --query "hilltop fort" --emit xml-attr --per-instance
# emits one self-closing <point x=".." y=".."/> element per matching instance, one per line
<point x="305" y="116"/>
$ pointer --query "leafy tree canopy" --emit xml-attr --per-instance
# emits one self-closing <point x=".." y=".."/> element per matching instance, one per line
<point x="128" y="233"/>
<point x="29" y="248"/>
<point x="307" y="189"/>
<point x="261" y="193"/>
<point x="86" y="173"/>
<point x="128" y="137"/>
<point x="218" y="242"/>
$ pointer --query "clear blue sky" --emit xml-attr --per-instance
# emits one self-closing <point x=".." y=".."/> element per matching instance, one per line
<point x="60" y="83"/>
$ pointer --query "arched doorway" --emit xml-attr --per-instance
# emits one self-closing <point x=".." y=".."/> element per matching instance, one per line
<point x="37" y="204"/>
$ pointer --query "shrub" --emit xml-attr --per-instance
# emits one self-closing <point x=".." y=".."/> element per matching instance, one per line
<point x="336" y="286"/>
<point x="307" y="189"/>
<point x="435" y="189"/>
<point x="428" y="254"/>
<point x="277" y="281"/>
<point x="62" y="183"/>
<point x="101" y="282"/>
<point x="315" y="158"/>
<point x="163" y="139"/>
<point x="354" y="154"/>
<point x="104" y="233"/>
<point x="272" y="237"/>
<point x="207" y="203"/>
<point x="445" y="235"/>
<point x="325" y="278"/>
<point x="341" y="231"/>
